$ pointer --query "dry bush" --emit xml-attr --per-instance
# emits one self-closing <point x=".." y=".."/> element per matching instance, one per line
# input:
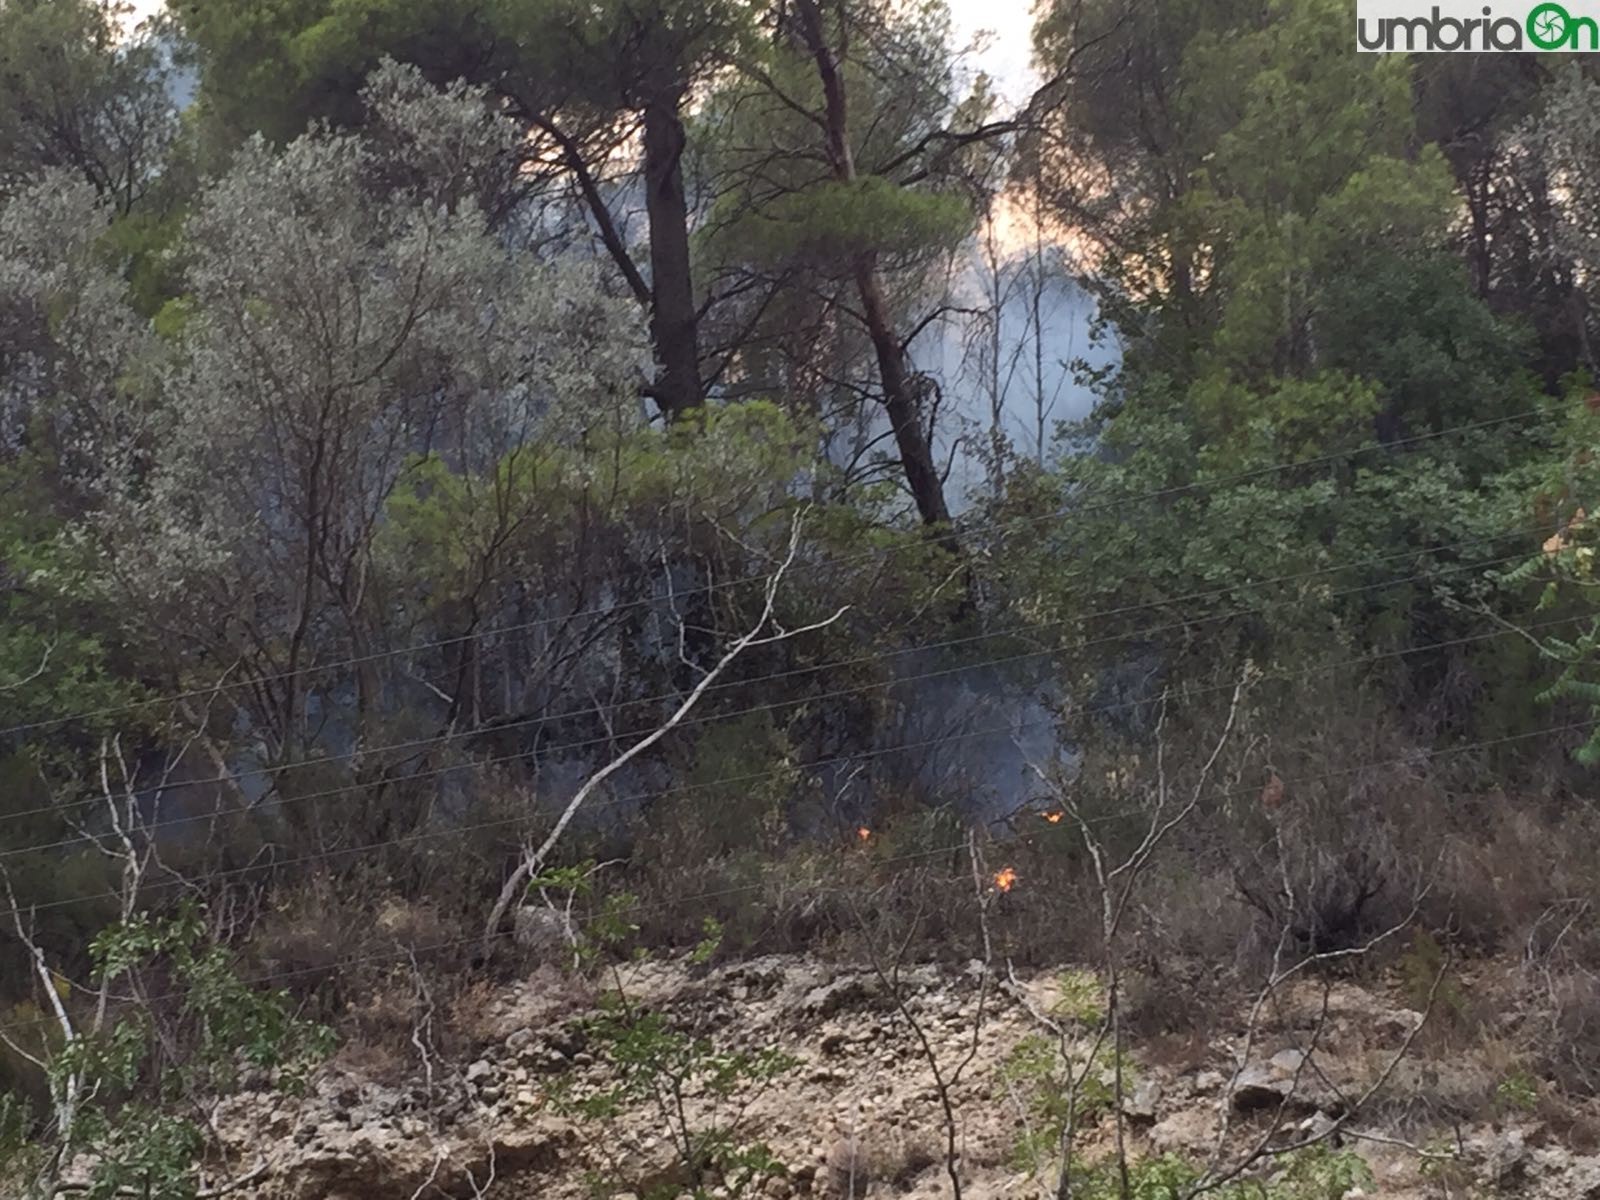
<point x="416" y="925"/>
<point x="1331" y="863"/>
<point x="484" y="828"/>
<point x="763" y="905"/>
<point x="1568" y="1123"/>
<point x="848" y="1170"/>
<point x="1570" y="1050"/>
<point x="399" y="1006"/>
<point x="1180" y="999"/>
<point x="905" y="1155"/>
<point x="1187" y="934"/>
<point x="878" y="1162"/>
<point x="800" y="896"/>
<point x="1505" y="866"/>
<point x="331" y="943"/>
<point x="469" y="1012"/>
<point x="1366" y="822"/>
<point x="1425" y="1092"/>
<point x="308" y="937"/>
<point x="381" y="1061"/>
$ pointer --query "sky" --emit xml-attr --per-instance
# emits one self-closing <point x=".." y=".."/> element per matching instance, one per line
<point x="1004" y="57"/>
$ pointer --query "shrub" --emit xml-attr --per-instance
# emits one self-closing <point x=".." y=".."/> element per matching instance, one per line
<point x="123" y="1089"/>
<point x="654" y="1062"/>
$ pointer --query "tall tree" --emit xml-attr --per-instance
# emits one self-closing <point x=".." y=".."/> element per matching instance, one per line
<point x="1276" y="250"/>
<point x="1484" y="112"/>
<point x="593" y="85"/>
<point x="336" y="324"/>
<point x="900" y="399"/>
<point x="841" y="148"/>
<point x="75" y="93"/>
<point x="1564" y="138"/>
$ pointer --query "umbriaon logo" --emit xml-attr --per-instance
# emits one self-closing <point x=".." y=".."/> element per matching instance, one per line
<point x="1545" y="27"/>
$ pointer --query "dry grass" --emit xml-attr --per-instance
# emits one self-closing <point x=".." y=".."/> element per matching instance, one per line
<point x="1345" y="849"/>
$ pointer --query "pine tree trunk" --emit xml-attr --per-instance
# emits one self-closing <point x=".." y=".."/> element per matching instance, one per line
<point x="900" y="400"/>
<point x="673" y="318"/>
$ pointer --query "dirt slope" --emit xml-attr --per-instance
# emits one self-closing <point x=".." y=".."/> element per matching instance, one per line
<point x="860" y="1109"/>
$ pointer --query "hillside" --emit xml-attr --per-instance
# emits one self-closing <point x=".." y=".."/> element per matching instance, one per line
<point x="860" y="1107"/>
<point x="665" y="599"/>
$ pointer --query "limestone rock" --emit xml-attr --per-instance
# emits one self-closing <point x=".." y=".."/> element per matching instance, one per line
<point x="830" y="997"/>
<point x="1140" y="1106"/>
<point x="1259" y="1087"/>
<point x="1183" y="1132"/>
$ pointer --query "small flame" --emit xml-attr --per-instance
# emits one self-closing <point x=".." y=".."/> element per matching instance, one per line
<point x="1054" y="816"/>
<point x="1005" y="879"/>
<point x="863" y="833"/>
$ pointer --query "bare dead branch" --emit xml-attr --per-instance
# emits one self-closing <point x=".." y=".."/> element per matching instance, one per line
<point x="757" y="635"/>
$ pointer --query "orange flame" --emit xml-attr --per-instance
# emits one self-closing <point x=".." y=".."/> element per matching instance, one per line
<point x="1005" y="879"/>
<point x="1054" y="816"/>
<point x="863" y="833"/>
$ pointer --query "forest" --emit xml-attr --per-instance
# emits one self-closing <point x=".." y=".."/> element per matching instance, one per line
<point x="727" y="478"/>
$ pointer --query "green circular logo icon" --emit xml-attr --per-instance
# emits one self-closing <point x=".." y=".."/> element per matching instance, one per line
<point x="1549" y="24"/>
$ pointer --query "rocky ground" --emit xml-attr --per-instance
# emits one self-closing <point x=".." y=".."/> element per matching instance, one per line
<point x="860" y="1110"/>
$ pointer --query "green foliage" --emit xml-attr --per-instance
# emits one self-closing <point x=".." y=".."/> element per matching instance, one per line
<point x="575" y="880"/>
<point x="1421" y="967"/>
<point x="1562" y="573"/>
<point x="653" y="1061"/>
<point x="1294" y="318"/>
<point x="834" y="222"/>
<point x="1315" y="1173"/>
<point x="1434" y="352"/>
<point x="706" y="948"/>
<point x="17" y="1154"/>
<point x="1322" y="1173"/>
<point x="1293" y="252"/>
<point x="753" y="752"/>
<point x="1160" y="1178"/>
<point x="1080" y="998"/>
<point x="277" y="67"/>
<point x="1071" y="1083"/>
<point x="656" y="1063"/>
<point x="541" y="508"/>
<point x="58" y="647"/>
<point x="1565" y="137"/>
<point x="1518" y="1092"/>
<point x="81" y="97"/>
<point x="263" y="60"/>
<point x="1059" y="1089"/>
<point x="609" y="928"/>
<point x="143" y="1148"/>
<point x="131" y="1104"/>
<point x="228" y="1020"/>
<point x="140" y="245"/>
